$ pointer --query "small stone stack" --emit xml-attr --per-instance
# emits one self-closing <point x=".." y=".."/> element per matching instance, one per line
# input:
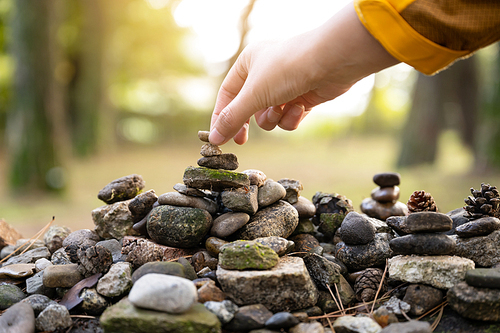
<point x="384" y="199"/>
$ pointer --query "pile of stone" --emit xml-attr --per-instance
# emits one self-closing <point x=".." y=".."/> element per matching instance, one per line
<point x="384" y="198"/>
<point x="237" y="252"/>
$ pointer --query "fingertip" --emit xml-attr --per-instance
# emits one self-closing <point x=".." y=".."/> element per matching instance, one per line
<point x="216" y="138"/>
<point x="242" y="136"/>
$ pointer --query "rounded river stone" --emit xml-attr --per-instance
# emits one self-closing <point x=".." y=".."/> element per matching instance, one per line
<point x="356" y="229"/>
<point x="178" y="226"/>
<point x="279" y="219"/>
<point x="386" y="179"/>
<point x="480" y="227"/>
<point x="242" y="255"/>
<point x="385" y="194"/>
<point x="228" y="223"/>
<point x="430" y="244"/>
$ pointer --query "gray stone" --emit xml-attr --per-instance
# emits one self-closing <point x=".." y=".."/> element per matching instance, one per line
<point x="458" y="217"/>
<point x="396" y="306"/>
<point x="228" y="223"/>
<point x="28" y="257"/>
<point x="356" y="229"/>
<point x="224" y="310"/>
<point x="241" y="199"/>
<point x="10" y="294"/>
<point x="480" y="227"/>
<point x="427" y="222"/>
<point x="285" y="287"/>
<point x="281" y="320"/>
<point x="54" y="317"/>
<point x="483" y="250"/>
<point x="350" y="324"/>
<point x="358" y="257"/>
<point x="117" y="281"/>
<point x="203" y="135"/>
<point x="483" y="278"/>
<point x="438" y="271"/>
<point x="182" y="227"/>
<point x="114" y="247"/>
<point x="41" y="264"/>
<point x="249" y="317"/>
<point x="17" y="270"/>
<point x="396" y="223"/>
<point x="256" y="177"/>
<point x="312" y="327"/>
<point x="159" y="267"/>
<point x="141" y="205"/>
<point x="385" y="194"/>
<point x="165" y="293"/>
<point x="304" y="207"/>
<point x="23" y="244"/>
<point x="412" y="326"/>
<point x="55" y="236"/>
<point x="227" y="161"/>
<point x="422" y="298"/>
<point x="188" y="268"/>
<point x="38" y="303"/>
<point x="124" y="317"/>
<point x="92" y="302"/>
<point x="323" y="272"/>
<point x="214" y="179"/>
<point x="383" y="210"/>
<point x="279" y="219"/>
<point x="191" y="191"/>
<point x="423" y="244"/>
<point x="279" y="245"/>
<point x="61" y="276"/>
<point x="182" y="200"/>
<point x="209" y="149"/>
<point x="82" y="237"/>
<point x="6" y="251"/>
<point x="34" y="285"/>
<point x="386" y="179"/>
<point x="475" y="303"/>
<point x="122" y="189"/>
<point x="293" y="188"/>
<point x="19" y="318"/>
<point x="270" y="193"/>
<point x="114" y="220"/>
<point x="242" y="255"/>
<point x="380" y="226"/>
<point x="60" y="257"/>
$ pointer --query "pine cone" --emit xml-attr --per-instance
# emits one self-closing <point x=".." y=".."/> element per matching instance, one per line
<point x="93" y="260"/>
<point x="71" y="251"/>
<point x="367" y="284"/>
<point x="484" y="202"/>
<point x="420" y="201"/>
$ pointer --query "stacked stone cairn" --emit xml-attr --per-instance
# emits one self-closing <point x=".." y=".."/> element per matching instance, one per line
<point x="384" y="198"/>
<point x="237" y="252"/>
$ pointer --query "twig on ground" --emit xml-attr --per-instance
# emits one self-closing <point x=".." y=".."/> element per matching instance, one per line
<point x="379" y="288"/>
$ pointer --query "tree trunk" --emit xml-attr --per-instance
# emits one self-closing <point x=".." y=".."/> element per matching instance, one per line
<point x="34" y="158"/>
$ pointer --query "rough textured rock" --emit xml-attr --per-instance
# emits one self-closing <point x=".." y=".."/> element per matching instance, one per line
<point x="475" y="303"/>
<point x="117" y="281"/>
<point x="54" y="317"/>
<point x="9" y="295"/>
<point x="228" y="223"/>
<point x="181" y="227"/>
<point x="214" y="179"/>
<point x="210" y="150"/>
<point x="256" y="177"/>
<point x="142" y="204"/>
<point x="285" y="287"/>
<point x="242" y="255"/>
<point x="480" y="227"/>
<point x="350" y="324"/>
<point x="293" y="188"/>
<point x="124" y="317"/>
<point x="82" y="237"/>
<point x="382" y="211"/>
<point x="93" y="303"/>
<point x="270" y="193"/>
<point x="227" y="161"/>
<point x="55" y="236"/>
<point x="140" y="251"/>
<point x="422" y="298"/>
<point x="423" y="244"/>
<point x="249" y="317"/>
<point x="241" y="199"/>
<point x="38" y="303"/>
<point x="356" y="229"/>
<point x="224" y="310"/>
<point x="122" y="189"/>
<point x="323" y="272"/>
<point x="165" y="293"/>
<point x="279" y="219"/>
<point x="358" y="257"/>
<point x="438" y="271"/>
<point x="280" y="245"/>
<point x="93" y="260"/>
<point x="208" y="291"/>
<point x="347" y="295"/>
<point x="483" y="250"/>
<point x="182" y="200"/>
<point x="114" y="221"/>
<point x="426" y="222"/>
<point x="19" y="318"/>
<point x="29" y="257"/>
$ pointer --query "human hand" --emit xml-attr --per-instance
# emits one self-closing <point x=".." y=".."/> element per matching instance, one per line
<point x="280" y="82"/>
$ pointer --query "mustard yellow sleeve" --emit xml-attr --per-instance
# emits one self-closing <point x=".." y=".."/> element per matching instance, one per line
<point x="428" y="34"/>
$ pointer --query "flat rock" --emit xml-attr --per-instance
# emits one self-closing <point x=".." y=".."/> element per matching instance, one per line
<point x="426" y="222"/>
<point x="483" y="250"/>
<point x="423" y="244"/>
<point x="29" y="257"/>
<point x="386" y="179"/>
<point x="270" y="193"/>
<point x="214" y="179"/>
<point x="209" y="149"/>
<point x="384" y="210"/>
<point x="159" y="267"/>
<point x="178" y="226"/>
<point x="122" y="189"/>
<point x="241" y="199"/>
<point x="397" y="223"/>
<point x="351" y="324"/>
<point x="160" y="292"/>
<point x="124" y="317"/>
<point x="249" y="317"/>
<point x="228" y="223"/>
<point x="475" y="303"/>
<point x="356" y="229"/>
<point x="191" y="191"/>
<point x="279" y="219"/>
<point x="438" y="271"/>
<point x="256" y="177"/>
<point x="242" y="255"/>
<point x="19" y="318"/>
<point x="61" y="276"/>
<point x="182" y="200"/>
<point x="17" y="270"/>
<point x="385" y="194"/>
<point x="285" y="287"/>
<point x="412" y="326"/>
<point x="483" y="278"/>
<point x="34" y="285"/>
<point x="226" y="161"/>
<point x="358" y="257"/>
<point x="459" y="217"/>
<point x="312" y="327"/>
<point x="480" y="227"/>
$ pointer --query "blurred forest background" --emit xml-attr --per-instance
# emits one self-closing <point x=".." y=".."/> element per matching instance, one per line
<point x="94" y="90"/>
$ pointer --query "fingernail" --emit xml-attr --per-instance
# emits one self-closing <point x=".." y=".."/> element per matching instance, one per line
<point x="215" y="137"/>
<point x="297" y="109"/>
<point x="273" y="116"/>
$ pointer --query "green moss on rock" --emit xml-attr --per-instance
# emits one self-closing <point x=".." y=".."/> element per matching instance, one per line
<point x="214" y="179"/>
<point x="242" y="255"/>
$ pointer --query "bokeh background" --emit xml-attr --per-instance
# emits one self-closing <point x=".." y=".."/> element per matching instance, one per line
<point x="94" y="90"/>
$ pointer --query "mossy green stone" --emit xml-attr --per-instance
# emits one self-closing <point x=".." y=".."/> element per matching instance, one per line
<point x="124" y="317"/>
<point x="9" y="295"/>
<point x="175" y="226"/>
<point x="330" y="222"/>
<point x="242" y="255"/>
<point x="214" y="179"/>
